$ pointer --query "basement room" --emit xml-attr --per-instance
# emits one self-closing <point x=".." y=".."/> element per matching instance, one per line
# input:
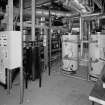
<point x="52" y="52"/>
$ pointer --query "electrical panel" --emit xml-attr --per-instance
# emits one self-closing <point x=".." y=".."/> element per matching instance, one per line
<point x="10" y="52"/>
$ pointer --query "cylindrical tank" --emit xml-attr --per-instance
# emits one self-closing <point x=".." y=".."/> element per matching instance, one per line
<point x="70" y="52"/>
<point x="96" y="51"/>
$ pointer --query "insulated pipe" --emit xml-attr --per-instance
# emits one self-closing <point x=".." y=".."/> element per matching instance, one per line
<point x="42" y="12"/>
<point x="21" y="68"/>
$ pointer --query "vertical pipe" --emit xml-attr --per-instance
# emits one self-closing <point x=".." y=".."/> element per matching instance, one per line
<point x="45" y="44"/>
<point x="98" y="22"/>
<point x="46" y="50"/>
<point x="70" y="25"/>
<point x="8" y="81"/>
<point x="10" y="28"/>
<point x="59" y="49"/>
<point x="89" y="59"/>
<point x="49" y="42"/>
<point x="33" y="36"/>
<point x="10" y="15"/>
<point x="40" y="63"/>
<point x="21" y="68"/>
<point x="33" y="19"/>
<point x="10" y="75"/>
<point x="93" y="5"/>
<point x="81" y="35"/>
<point x="78" y="42"/>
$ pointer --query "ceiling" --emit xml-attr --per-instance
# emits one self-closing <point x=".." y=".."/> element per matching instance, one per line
<point x="70" y="6"/>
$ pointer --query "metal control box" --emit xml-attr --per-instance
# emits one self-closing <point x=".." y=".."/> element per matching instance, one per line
<point x="10" y="52"/>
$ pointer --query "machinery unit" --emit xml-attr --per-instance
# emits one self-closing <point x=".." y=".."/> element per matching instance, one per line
<point x="70" y="52"/>
<point x="97" y="53"/>
<point x="10" y="52"/>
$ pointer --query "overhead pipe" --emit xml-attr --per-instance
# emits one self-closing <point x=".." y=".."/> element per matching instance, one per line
<point x="43" y="12"/>
<point x="91" y="15"/>
<point x="94" y="15"/>
<point x="54" y="12"/>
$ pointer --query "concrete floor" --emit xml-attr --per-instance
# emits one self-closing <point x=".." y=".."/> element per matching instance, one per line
<point x="57" y="89"/>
